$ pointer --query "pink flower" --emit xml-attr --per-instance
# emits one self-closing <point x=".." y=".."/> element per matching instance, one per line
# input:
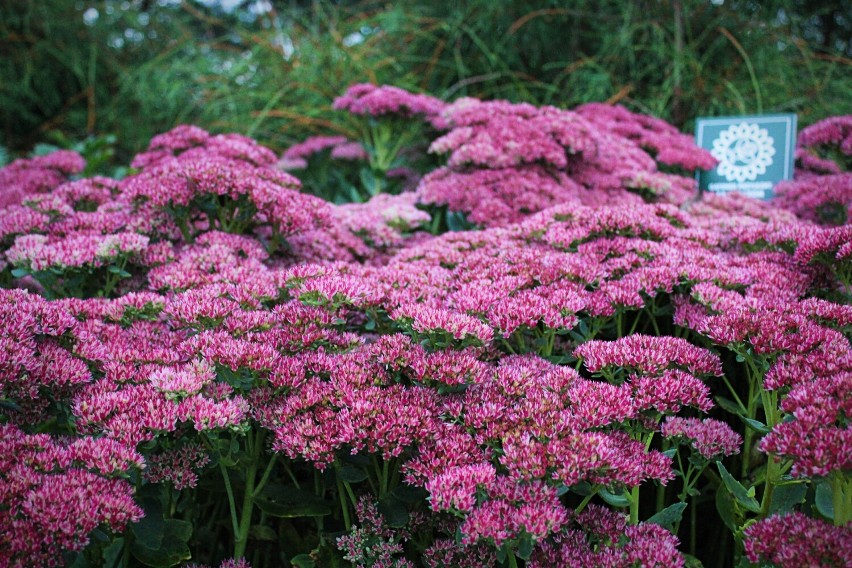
<point x="712" y="439"/>
<point x="426" y="320"/>
<point x="794" y="540"/>
<point x="365" y="98"/>
<point x="818" y="435"/>
<point x="649" y="355"/>
<point x="833" y="131"/>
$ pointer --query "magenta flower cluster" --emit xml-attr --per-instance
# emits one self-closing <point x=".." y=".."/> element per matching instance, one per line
<point x="204" y="346"/>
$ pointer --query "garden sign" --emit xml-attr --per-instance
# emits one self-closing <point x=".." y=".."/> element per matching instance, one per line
<point x="754" y="153"/>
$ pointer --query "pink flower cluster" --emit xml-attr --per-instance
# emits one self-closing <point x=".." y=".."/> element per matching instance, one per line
<point x="822" y="188"/>
<point x="649" y="354"/>
<point x="666" y="143"/>
<point x="350" y="334"/>
<point x="188" y="182"/>
<point x="35" y="362"/>
<point x="373" y="100"/>
<point x="824" y="199"/>
<point x="40" y="252"/>
<point x="817" y="437"/>
<point x="712" y="439"/>
<point x="190" y="142"/>
<point x="507" y="161"/>
<point x="30" y="177"/>
<point x="601" y="537"/>
<point x="793" y="540"/>
<point x="296" y="157"/>
<point x="53" y="493"/>
<point x="833" y="131"/>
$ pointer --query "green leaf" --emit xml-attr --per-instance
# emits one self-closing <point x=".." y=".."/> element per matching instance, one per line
<point x="19" y="272"/>
<point x="786" y="497"/>
<point x="161" y="542"/>
<point x="394" y="512"/>
<point x="6" y="404"/>
<point x="755" y="425"/>
<point x="457" y="221"/>
<point x="692" y="562"/>
<point x="284" y="501"/>
<point x="823" y="501"/>
<point x="263" y="532"/>
<point x="351" y="473"/>
<point x="149" y="531"/>
<point x="727" y="511"/>
<point x="79" y="560"/>
<point x="525" y="547"/>
<point x="614" y="500"/>
<point x="410" y="494"/>
<point x="502" y="553"/>
<point x="668" y="517"/>
<point x="112" y="553"/>
<point x="740" y="493"/>
<point x="302" y="561"/>
<point x="729" y="405"/>
<point x="583" y="488"/>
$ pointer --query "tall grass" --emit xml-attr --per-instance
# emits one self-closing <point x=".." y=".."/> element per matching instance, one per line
<point x="134" y="72"/>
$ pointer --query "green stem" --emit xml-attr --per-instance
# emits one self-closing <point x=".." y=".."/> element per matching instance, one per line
<point x="772" y="479"/>
<point x="508" y="346"/>
<point x="247" y="510"/>
<point x="635" y="323"/>
<point x="235" y="524"/>
<point x="183" y="226"/>
<point x="693" y="529"/>
<point x="661" y="497"/>
<point x="748" y="438"/>
<point x="551" y="342"/>
<point x="513" y="562"/>
<point x="522" y="344"/>
<point x="654" y="324"/>
<point x="734" y="394"/>
<point x="266" y="473"/>
<point x="634" y="505"/>
<point x="841" y="498"/>
<point x="586" y="500"/>
<point x="344" y="505"/>
<point x="385" y="478"/>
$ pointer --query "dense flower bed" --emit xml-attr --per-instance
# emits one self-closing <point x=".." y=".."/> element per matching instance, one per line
<point x="531" y="342"/>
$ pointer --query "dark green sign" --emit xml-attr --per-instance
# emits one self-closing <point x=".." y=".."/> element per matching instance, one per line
<point x="754" y="152"/>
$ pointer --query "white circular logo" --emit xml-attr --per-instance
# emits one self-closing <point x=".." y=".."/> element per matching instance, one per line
<point x="744" y="152"/>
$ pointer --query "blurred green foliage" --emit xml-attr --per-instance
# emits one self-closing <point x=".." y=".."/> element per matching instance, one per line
<point x="74" y="69"/>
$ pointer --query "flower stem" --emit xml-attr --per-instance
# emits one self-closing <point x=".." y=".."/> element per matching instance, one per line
<point x="235" y="524"/>
<point x="634" y="505"/>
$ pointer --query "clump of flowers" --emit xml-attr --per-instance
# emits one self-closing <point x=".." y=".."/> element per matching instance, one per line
<point x="711" y="439"/>
<point x="188" y="142"/>
<point x="830" y="139"/>
<point x="212" y="192"/>
<point x="794" y="539"/>
<point x="390" y="122"/>
<point x="56" y="492"/>
<point x="495" y="368"/>
<point x="372" y="542"/>
<point x="34" y="176"/>
<point x="600" y="537"/>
